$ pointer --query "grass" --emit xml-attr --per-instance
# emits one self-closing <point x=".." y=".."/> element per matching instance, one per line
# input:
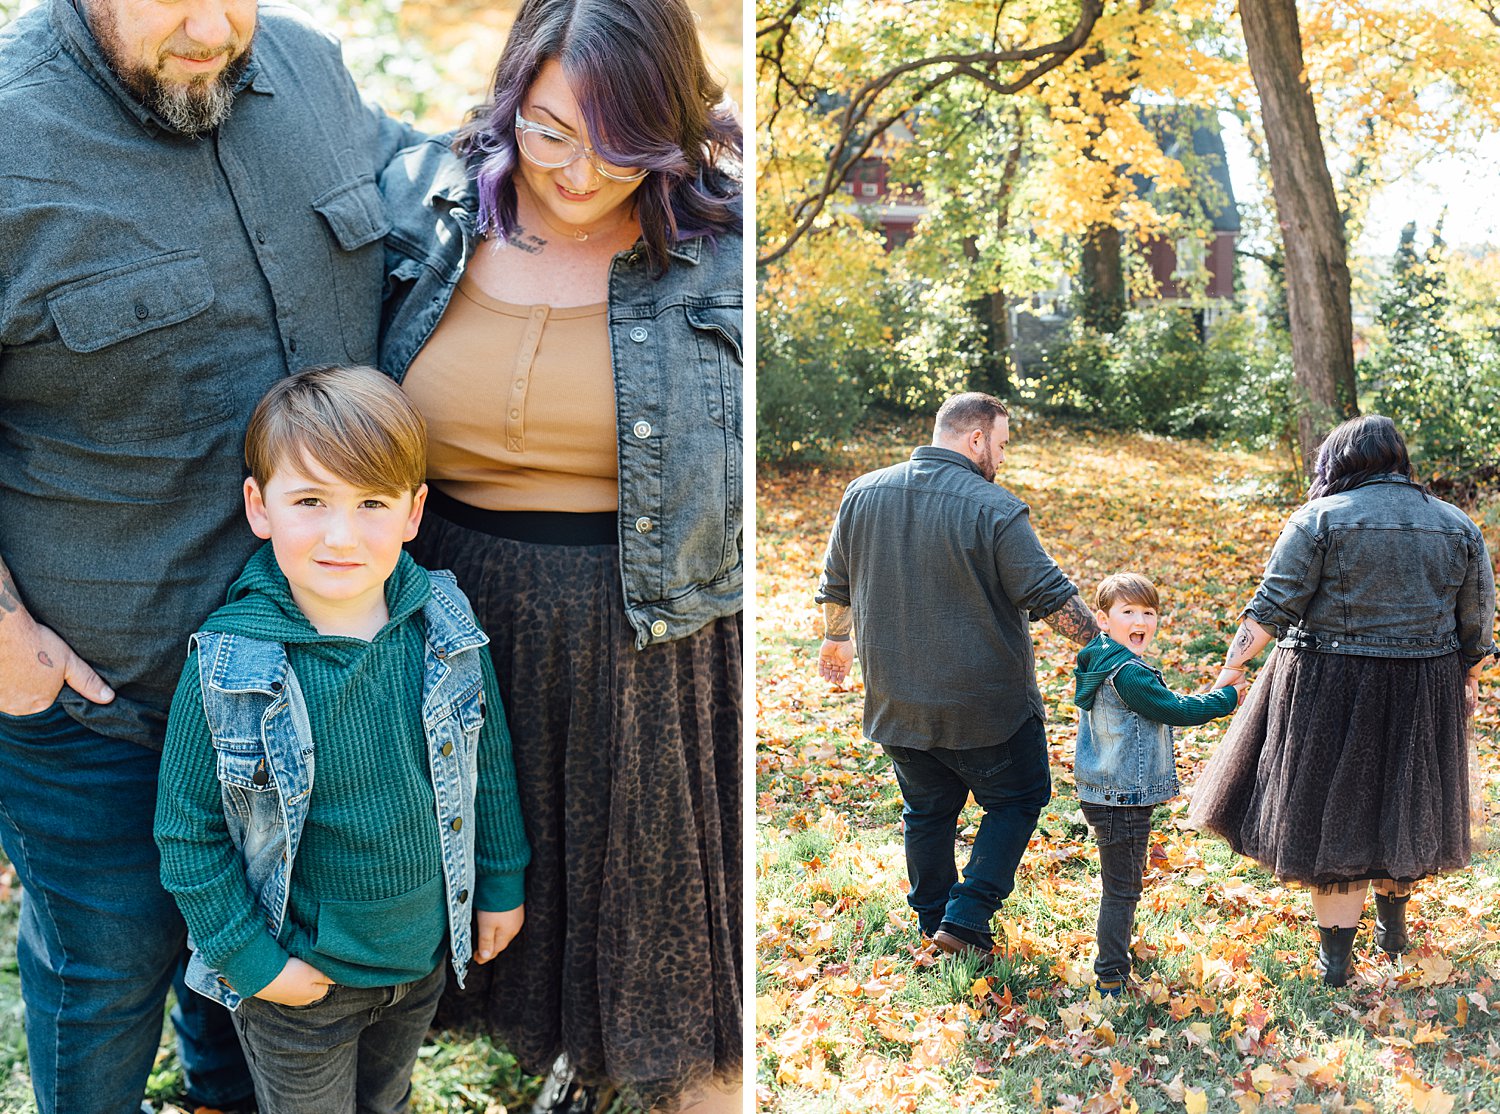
<point x="1226" y="1012"/>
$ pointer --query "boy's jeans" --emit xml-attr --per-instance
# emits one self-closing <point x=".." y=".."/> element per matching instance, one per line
<point x="1011" y="782"/>
<point x="1124" y="836"/>
<point x="99" y="937"/>
<point x="353" y="1049"/>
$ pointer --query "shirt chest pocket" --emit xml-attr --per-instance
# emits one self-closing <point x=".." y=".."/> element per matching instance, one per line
<point x="134" y="372"/>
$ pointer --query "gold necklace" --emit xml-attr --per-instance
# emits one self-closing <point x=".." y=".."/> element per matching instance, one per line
<point x="577" y="234"/>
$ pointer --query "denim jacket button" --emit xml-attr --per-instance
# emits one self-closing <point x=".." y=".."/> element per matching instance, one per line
<point x="447" y="749"/>
<point x="658" y="628"/>
<point x="463" y="896"/>
<point x="1334" y="644"/>
<point x="642" y="429"/>
<point x="643" y="525"/>
<point x="458" y="824"/>
<point x="275" y="686"/>
<point x="638" y="334"/>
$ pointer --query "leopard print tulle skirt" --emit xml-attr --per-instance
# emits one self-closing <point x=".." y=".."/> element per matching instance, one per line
<point x="628" y="768"/>
<point x="1341" y="768"/>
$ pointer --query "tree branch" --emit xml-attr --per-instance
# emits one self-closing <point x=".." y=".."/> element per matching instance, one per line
<point x="860" y="127"/>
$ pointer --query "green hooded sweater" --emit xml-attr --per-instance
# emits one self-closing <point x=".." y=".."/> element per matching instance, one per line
<point x="1142" y="688"/>
<point x="366" y="902"/>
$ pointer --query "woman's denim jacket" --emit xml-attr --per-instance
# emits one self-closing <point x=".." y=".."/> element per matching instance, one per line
<point x="265" y="754"/>
<point x="675" y="347"/>
<point x="1123" y="758"/>
<point x="1381" y="570"/>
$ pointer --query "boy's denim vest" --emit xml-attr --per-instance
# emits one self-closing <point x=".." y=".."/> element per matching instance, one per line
<point x="1123" y="758"/>
<point x="265" y="753"/>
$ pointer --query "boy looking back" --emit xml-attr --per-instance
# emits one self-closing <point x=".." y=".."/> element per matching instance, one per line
<point x="337" y="801"/>
<point x="1125" y="765"/>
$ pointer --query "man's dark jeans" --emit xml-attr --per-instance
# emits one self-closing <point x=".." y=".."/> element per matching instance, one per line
<point x="1011" y="782"/>
<point x="353" y="1049"/>
<point x="99" y="938"/>
<point x="1123" y="833"/>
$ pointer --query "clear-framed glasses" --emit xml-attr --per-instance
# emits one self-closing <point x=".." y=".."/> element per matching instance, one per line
<point x="553" y="150"/>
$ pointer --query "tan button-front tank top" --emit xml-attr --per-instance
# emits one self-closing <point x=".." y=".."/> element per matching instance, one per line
<point x="520" y="405"/>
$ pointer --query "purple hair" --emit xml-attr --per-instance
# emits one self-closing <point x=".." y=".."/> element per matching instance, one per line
<point x="638" y="71"/>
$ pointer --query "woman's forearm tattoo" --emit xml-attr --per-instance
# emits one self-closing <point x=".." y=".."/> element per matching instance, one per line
<point x="1074" y="621"/>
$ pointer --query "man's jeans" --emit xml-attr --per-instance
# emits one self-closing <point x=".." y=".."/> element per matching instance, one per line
<point x="99" y="938"/>
<point x="353" y="1049"/>
<point x="1124" y="836"/>
<point x="1011" y="782"/>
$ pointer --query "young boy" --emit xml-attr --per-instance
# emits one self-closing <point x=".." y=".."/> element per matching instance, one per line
<point x="320" y="906"/>
<point x="1124" y="764"/>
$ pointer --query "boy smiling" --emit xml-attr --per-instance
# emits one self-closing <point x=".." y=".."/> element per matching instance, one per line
<point x="1124" y="765"/>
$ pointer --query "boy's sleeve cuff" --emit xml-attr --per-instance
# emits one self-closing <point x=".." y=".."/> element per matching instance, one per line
<point x="498" y="893"/>
<point x="255" y="966"/>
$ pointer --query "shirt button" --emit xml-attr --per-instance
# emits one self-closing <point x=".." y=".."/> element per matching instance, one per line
<point x="292" y="344"/>
<point x="642" y="429"/>
<point x="260" y="237"/>
<point x="447" y="749"/>
<point x="141" y="312"/>
<point x="643" y="525"/>
<point x="658" y="628"/>
<point x="638" y="334"/>
<point x="515" y="413"/>
<point x="458" y="824"/>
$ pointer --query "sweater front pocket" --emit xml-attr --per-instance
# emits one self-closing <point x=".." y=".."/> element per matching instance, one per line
<point x="393" y="937"/>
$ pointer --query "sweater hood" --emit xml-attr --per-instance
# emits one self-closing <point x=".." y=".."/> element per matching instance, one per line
<point x="261" y="605"/>
<point x="1096" y="662"/>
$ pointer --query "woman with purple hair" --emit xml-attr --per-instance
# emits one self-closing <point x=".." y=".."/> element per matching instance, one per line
<point x="1348" y="765"/>
<point x="564" y="306"/>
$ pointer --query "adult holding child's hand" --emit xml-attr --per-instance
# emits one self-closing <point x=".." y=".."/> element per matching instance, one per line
<point x="1349" y="763"/>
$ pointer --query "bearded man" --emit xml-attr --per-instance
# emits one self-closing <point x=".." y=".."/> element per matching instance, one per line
<point x="936" y="570"/>
<point x="184" y="219"/>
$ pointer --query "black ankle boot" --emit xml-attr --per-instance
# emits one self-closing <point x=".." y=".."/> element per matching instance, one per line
<point x="1336" y="954"/>
<point x="1390" y="923"/>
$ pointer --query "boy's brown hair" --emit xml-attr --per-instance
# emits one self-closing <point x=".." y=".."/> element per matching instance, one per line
<point x="1131" y="587"/>
<point x="353" y="421"/>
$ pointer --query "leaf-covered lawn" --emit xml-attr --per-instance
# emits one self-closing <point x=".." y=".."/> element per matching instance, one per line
<point x="1227" y="1012"/>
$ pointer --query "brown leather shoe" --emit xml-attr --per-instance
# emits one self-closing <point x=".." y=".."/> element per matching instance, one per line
<point x="947" y="942"/>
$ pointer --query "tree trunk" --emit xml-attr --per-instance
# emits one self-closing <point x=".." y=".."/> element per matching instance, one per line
<point x="1103" y="304"/>
<point x="1317" y="265"/>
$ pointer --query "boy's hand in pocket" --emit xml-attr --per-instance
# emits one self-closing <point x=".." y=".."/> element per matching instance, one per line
<point x="299" y="984"/>
<point x="493" y="932"/>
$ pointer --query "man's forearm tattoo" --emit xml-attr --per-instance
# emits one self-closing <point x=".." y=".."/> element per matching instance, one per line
<point x="838" y="621"/>
<point x="10" y="601"/>
<point x="1074" y="621"/>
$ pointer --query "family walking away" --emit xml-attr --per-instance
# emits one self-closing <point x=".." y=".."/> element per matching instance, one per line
<point x="1347" y="762"/>
<point x="376" y="803"/>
